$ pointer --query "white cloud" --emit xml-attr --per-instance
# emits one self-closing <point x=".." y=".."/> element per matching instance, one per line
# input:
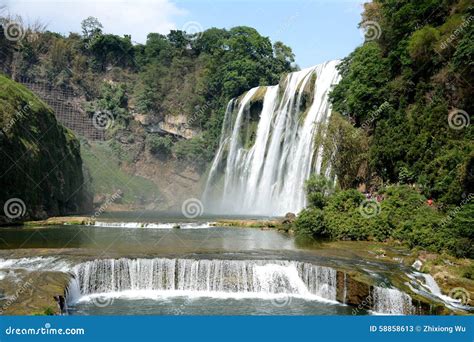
<point x="135" y="17"/>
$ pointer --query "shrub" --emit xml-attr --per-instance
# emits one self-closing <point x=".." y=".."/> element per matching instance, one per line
<point x="160" y="146"/>
<point x="403" y="215"/>
<point x="422" y="43"/>
<point x="318" y="189"/>
<point x="310" y="223"/>
<point x="194" y="150"/>
<point x="343" y="218"/>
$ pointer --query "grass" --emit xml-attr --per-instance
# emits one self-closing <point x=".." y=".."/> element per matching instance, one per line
<point x="108" y="177"/>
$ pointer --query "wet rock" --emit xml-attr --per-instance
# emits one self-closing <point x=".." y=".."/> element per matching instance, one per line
<point x="353" y="292"/>
<point x="289" y="218"/>
<point x="417" y="265"/>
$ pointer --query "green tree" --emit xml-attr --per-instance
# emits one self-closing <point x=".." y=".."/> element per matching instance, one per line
<point x="91" y="26"/>
<point x="160" y="146"/>
<point x="318" y="188"/>
<point x="310" y="223"/>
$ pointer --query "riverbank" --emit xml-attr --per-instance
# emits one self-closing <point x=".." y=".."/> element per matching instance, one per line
<point x="453" y="275"/>
<point x="90" y="220"/>
<point x="61" y="220"/>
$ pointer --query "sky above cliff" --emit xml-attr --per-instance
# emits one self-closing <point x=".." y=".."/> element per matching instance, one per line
<point x="316" y="30"/>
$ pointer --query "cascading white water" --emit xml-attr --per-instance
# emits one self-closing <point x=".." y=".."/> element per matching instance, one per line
<point x="159" y="277"/>
<point x="391" y="301"/>
<point x="206" y="277"/>
<point x="149" y="225"/>
<point x="262" y="163"/>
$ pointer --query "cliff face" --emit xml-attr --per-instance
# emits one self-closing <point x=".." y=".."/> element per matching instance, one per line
<point x="40" y="162"/>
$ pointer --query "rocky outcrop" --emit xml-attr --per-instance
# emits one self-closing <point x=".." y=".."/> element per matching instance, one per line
<point x="178" y="125"/>
<point x="41" y="165"/>
<point x="34" y="293"/>
<point x="355" y="290"/>
<point x="289" y="218"/>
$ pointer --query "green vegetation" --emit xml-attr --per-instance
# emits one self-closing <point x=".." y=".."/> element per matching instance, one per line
<point x="49" y="311"/>
<point x="414" y="67"/>
<point x="41" y="160"/>
<point x="403" y="214"/>
<point x="170" y="75"/>
<point x="159" y="146"/>
<point x="394" y="134"/>
<point x="107" y="178"/>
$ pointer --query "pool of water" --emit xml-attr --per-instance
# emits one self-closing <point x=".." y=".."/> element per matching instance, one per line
<point x="145" y="240"/>
<point x="184" y="305"/>
<point x="146" y="235"/>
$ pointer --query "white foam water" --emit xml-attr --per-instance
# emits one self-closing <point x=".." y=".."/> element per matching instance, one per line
<point x="268" y="177"/>
<point x="158" y="278"/>
<point x="423" y="283"/>
<point x="391" y="302"/>
<point x="148" y="225"/>
<point x="36" y="264"/>
<point x="161" y="278"/>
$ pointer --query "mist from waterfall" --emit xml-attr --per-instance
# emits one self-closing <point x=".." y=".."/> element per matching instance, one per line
<point x="269" y="145"/>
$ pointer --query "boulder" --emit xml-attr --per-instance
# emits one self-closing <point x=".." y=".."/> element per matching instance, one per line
<point x="289" y="218"/>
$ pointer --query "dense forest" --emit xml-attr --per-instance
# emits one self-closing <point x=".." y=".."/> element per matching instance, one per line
<point x="177" y="74"/>
<point x="401" y="128"/>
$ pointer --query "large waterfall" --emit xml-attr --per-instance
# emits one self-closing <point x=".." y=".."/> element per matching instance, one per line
<point x="270" y="144"/>
<point x="238" y="278"/>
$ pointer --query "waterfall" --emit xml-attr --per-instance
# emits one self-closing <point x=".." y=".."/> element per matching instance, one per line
<point x="391" y="301"/>
<point x="269" y="145"/>
<point x="241" y="278"/>
<point x="150" y="225"/>
<point x="163" y="277"/>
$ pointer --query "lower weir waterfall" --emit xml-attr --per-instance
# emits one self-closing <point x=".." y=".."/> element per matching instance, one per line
<point x="270" y="144"/>
<point x="208" y="277"/>
<point x="238" y="279"/>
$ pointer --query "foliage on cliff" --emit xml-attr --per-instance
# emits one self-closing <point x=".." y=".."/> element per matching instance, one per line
<point x="401" y="214"/>
<point x="40" y="160"/>
<point x="169" y="75"/>
<point x="408" y="93"/>
<point x="401" y="127"/>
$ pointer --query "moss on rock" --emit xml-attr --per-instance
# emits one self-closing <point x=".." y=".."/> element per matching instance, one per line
<point x="40" y="159"/>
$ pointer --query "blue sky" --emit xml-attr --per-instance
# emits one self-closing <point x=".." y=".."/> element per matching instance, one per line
<point x="316" y="30"/>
